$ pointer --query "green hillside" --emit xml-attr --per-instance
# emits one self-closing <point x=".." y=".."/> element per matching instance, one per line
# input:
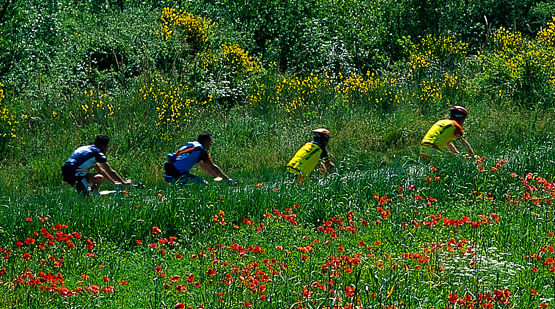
<point x="382" y="231"/>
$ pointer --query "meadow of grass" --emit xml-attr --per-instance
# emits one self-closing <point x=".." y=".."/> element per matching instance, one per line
<point x="458" y="233"/>
<point x="383" y="231"/>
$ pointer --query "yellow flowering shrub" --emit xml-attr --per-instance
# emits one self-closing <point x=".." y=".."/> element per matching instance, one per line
<point x="368" y="89"/>
<point x="98" y="106"/>
<point x="431" y="50"/>
<point x="192" y="28"/>
<point x="293" y="94"/>
<point x="546" y="36"/>
<point x="518" y="68"/>
<point x="435" y="91"/>
<point x="523" y="58"/>
<point x="238" y="59"/>
<point x="171" y="103"/>
<point x="8" y="120"/>
<point x="300" y="93"/>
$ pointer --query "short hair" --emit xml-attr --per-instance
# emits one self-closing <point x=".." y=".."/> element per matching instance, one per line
<point x="101" y="141"/>
<point x="321" y="140"/>
<point x="204" y="136"/>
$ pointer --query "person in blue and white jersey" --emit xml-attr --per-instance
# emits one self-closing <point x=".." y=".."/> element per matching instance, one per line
<point x="179" y="164"/>
<point x="75" y="171"/>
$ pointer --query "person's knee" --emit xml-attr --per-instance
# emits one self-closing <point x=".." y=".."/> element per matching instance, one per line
<point x="98" y="179"/>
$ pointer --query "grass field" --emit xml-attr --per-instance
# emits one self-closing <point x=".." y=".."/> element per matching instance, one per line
<point x="455" y="234"/>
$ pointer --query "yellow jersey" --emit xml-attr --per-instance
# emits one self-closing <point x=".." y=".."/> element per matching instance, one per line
<point x="441" y="133"/>
<point x="306" y="159"/>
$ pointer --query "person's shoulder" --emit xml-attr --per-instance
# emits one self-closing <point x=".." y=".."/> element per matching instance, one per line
<point x="456" y="124"/>
<point x="93" y="148"/>
<point x="316" y="144"/>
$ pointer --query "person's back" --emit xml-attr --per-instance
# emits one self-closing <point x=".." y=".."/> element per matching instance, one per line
<point x="85" y="157"/>
<point x="307" y="158"/>
<point x="187" y="156"/>
<point x="441" y="133"/>
<point x="179" y="164"/>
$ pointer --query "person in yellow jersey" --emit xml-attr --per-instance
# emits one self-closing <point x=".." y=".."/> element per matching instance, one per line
<point x="443" y="132"/>
<point x="311" y="155"/>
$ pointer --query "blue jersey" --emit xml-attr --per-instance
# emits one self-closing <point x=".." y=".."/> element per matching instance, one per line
<point x="85" y="157"/>
<point x="187" y="156"/>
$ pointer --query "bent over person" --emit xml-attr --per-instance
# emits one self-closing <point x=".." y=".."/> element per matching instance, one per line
<point x="76" y="169"/>
<point x="311" y="155"/>
<point x="443" y="132"/>
<point x="179" y="164"/>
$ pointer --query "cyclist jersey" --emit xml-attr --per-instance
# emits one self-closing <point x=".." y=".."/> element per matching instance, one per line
<point x="441" y="133"/>
<point x="85" y="157"/>
<point x="307" y="158"/>
<point x="187" y="156"/>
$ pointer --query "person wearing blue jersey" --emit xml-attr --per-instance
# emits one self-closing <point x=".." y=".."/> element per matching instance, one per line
<point x="179" y="164"/>
<point x="75" y="171"/>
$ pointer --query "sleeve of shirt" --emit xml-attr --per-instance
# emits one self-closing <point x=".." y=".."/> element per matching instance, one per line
<point x="458" y="131"/>
<point x="204" y="156"/>
<point x="324" y="154"/>
<point x="100" y="157"/>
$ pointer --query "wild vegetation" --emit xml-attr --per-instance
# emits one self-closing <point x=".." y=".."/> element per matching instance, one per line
<point x="384" y="231"/>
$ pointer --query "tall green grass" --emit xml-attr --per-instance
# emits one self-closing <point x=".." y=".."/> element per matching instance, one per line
<point x="115" y="222"/>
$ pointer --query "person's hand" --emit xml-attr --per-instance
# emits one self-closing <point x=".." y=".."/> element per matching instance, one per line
<point x="471" y="157"/>
<point x="127" y="182"/>
<point x="231" y="181"/>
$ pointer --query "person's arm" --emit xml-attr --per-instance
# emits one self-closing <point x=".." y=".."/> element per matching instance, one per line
<point x="469" y="149"/>
<point x="326" y="167"/>
<point x="330" y="167"/>
<point x="452" y="148"/>
<point x="212" y="169"/>
<point x="110" y="174"/>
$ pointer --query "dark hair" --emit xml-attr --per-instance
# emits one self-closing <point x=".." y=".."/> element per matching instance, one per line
<point x="321" y="140"/>
<point x="101" y="141"/>
<point x="203" y="137"/>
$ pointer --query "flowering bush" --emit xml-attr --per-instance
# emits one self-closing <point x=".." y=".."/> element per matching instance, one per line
<point x="8" y="122"/>
<point x="434" y="52"/>
<point x="370" y="90"/>
<point x="294" y="94"/>
<point x="171" y="104"/>
<point x="520" y="68"/>
<point x="191" y="28"/>
<point x="98" y="106"/>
